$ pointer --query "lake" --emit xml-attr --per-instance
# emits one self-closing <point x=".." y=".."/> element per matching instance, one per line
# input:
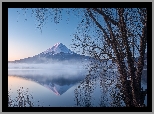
<point x="40" y="88"/>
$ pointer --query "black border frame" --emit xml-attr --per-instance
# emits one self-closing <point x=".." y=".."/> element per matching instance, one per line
<point x="6" y="5"/>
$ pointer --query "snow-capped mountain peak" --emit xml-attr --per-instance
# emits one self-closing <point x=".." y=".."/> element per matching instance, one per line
<point x="57" y="48"/>
<point x="57" y="44"/>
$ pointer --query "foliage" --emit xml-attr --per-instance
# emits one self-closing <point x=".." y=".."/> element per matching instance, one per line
<point x="121" y="37"/>
<point x="24" y="99"/>
<point x="118" y="34"/>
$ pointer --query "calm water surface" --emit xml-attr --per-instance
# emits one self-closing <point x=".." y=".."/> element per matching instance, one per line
<point x="42" y="96"/>
<point x="51" y="90"/>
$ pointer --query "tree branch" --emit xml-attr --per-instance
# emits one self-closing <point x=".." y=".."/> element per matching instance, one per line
<point x="135" y="45"/>
<point x="103" y="30"/>
<point x="106" y="16"/>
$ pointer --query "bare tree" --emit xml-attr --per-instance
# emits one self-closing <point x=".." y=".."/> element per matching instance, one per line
<point x="119" y="34"/>
<point x="122" y="27"/>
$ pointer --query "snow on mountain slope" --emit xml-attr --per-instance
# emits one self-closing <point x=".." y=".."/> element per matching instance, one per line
<point x="57" y="48"/>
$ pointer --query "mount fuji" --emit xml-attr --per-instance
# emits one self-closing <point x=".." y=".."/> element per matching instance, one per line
<point x="58" y="52"/>
<point x="57" y="48"/>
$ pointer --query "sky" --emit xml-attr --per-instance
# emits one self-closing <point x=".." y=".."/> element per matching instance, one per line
<point x="25" y="40"/>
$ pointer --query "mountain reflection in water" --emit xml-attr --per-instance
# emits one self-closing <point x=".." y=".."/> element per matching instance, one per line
<point x="57" y="84"/>
<point x="62" y="88"/>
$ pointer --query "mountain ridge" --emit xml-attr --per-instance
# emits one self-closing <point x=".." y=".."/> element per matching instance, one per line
<point x="58" y="52"/>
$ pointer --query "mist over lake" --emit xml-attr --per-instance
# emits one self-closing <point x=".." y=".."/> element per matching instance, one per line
<point x="56" y="84"/>
<point x="50" y="84"/>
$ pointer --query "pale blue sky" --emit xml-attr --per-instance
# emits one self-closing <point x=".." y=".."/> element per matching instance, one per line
<point x="25" y="40"/>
